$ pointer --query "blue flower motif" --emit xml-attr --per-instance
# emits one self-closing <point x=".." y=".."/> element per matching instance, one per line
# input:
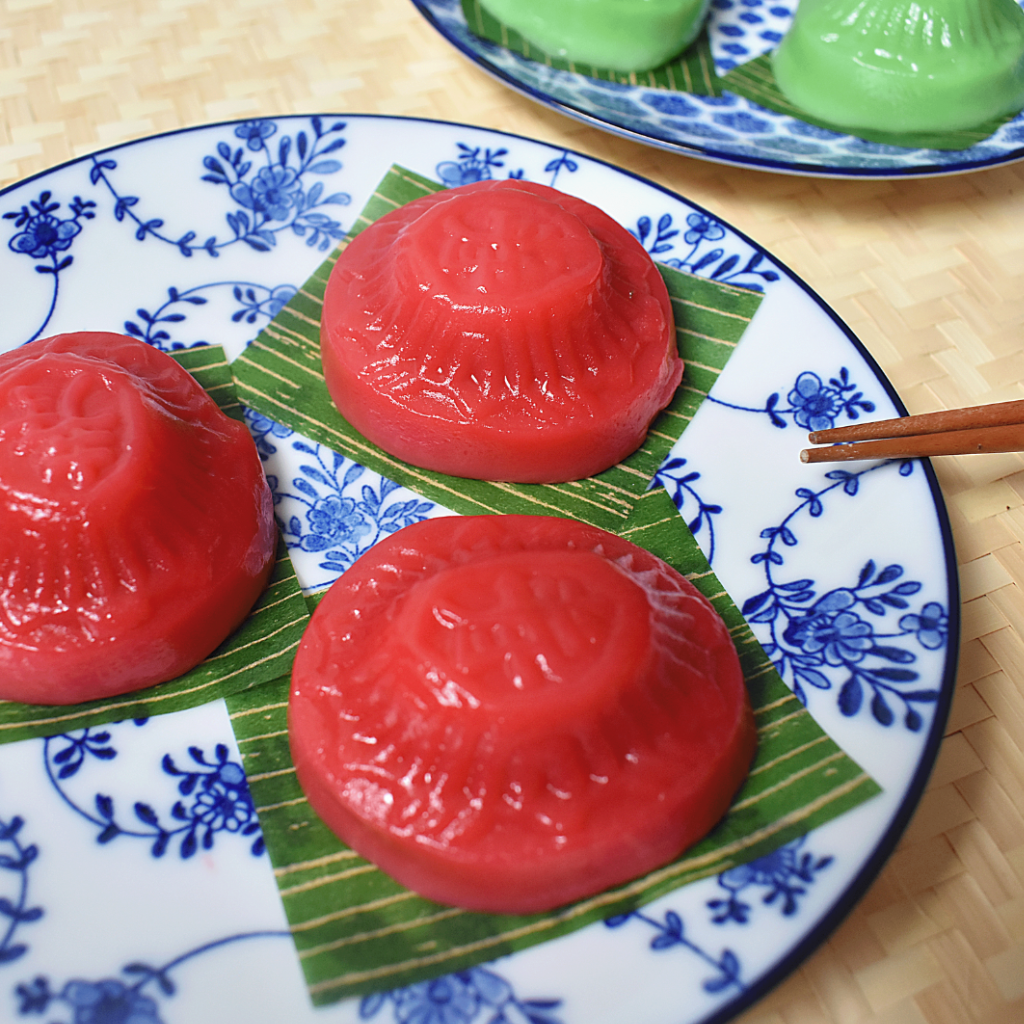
<point x="816" y="406"/>
<point x="467" y="173"/>
<point x="221" y="798"/>
<point x="702" y="227"/>
<point x="449" y="1000"/>
<point x="780" y="871"/>
<point x="109" y="1002"/>
<point x="459" y="999"/>
<point x="274" y="191"/>
<point x="830" y="633"/>
<point x="254" y="132"/>
<point x="262" y="429"/>
<point x="840" y="639"/>
<point x="333" y="521"/>
<point x="473" y="164"/>
<point x="812" y="404"/>
<point x="43" y="235"/>
<point x="776" y="866"/>
<point x="225" y="803"/>
<point x="931" y="626"/>
<point x="337" y="508"/>
<point x="279" y="298"/>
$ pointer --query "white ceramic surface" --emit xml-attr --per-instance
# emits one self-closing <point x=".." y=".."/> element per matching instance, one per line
<point x="132" y="875"/>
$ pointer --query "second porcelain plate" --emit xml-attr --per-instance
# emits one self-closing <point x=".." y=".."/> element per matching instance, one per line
<point x="729" y="129"/>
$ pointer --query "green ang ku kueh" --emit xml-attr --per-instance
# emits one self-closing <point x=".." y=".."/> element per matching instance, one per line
<point x="900" y="67"/>
<point x="617" y="34"/>
<point x="260" y="650"/>
<point x="355" y="929"/>
<point x="756" y="81"/>
<point x="693" y="72"/>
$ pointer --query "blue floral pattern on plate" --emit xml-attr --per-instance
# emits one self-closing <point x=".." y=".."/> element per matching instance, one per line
<point x="216" y="792"/>
<point x="113" y="1001"/>
<point x="728" y="129"/>
<point x="16" y="860"/>
<point x="276" y="191"/>
<point x="474" y="995"/>
<point x="144" y="837"/>
<point x="333" y="509"/>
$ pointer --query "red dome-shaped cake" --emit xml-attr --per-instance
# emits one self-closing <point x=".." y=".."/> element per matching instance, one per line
<point x="502" y="331"/>
<point x="136" y="524"/>
<point x="508" y="713"/>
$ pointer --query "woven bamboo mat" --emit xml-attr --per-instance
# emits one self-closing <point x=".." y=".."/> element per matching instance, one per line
<point x="929" y="273"/>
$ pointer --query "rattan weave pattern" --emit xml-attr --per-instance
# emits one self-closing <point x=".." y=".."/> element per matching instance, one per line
<point x="928" y="272"/>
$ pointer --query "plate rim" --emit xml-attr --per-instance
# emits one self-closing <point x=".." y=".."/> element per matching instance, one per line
<point x="702" y="152"/>
<point x="887" y="840"/>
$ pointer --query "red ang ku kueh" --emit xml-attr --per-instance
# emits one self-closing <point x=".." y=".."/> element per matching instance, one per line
<point x="136" y="524"/>
<point x="509" y="713"/>
<point x="500" y="331"/>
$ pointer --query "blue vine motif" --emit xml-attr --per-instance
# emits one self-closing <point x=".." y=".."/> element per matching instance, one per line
<point x="343" y="514"/>
<point x="678" y="482"/>
<point x="263" y="429"/>
<point x="713" y="263"/>
<point x="459" y="999"/>
<point x="813" y="404"/>
<point x="811" y="635"/>
<point x="255" y="301"/>
<point x="671" y="935"/>
<point x="16" y="858"/>
<point x="220" y="802"/>
<point x="271" y="199"/>
<point x="561" y="163"/>
<point x="473" y="165"/>
<point x="781" y="872"/>
<point x="111" y="1000"/>
<point x="43" y="235"/>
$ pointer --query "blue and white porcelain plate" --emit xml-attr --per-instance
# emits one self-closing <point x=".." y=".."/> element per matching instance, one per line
<point x="134" y="885"/>
<point x="729" y="129"/>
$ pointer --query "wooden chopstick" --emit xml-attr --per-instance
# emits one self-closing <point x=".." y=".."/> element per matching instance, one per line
<point x="986" y="428"/>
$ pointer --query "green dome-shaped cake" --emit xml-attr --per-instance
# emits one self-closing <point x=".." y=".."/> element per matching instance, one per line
<point x="904" y="65"/>
<point x="620" y="35"/>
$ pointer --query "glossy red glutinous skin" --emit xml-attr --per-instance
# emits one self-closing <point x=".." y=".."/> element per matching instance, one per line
<point x="501" y="331"/>
<point x="509" y="713"/>
<point x="136" y="524"/>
